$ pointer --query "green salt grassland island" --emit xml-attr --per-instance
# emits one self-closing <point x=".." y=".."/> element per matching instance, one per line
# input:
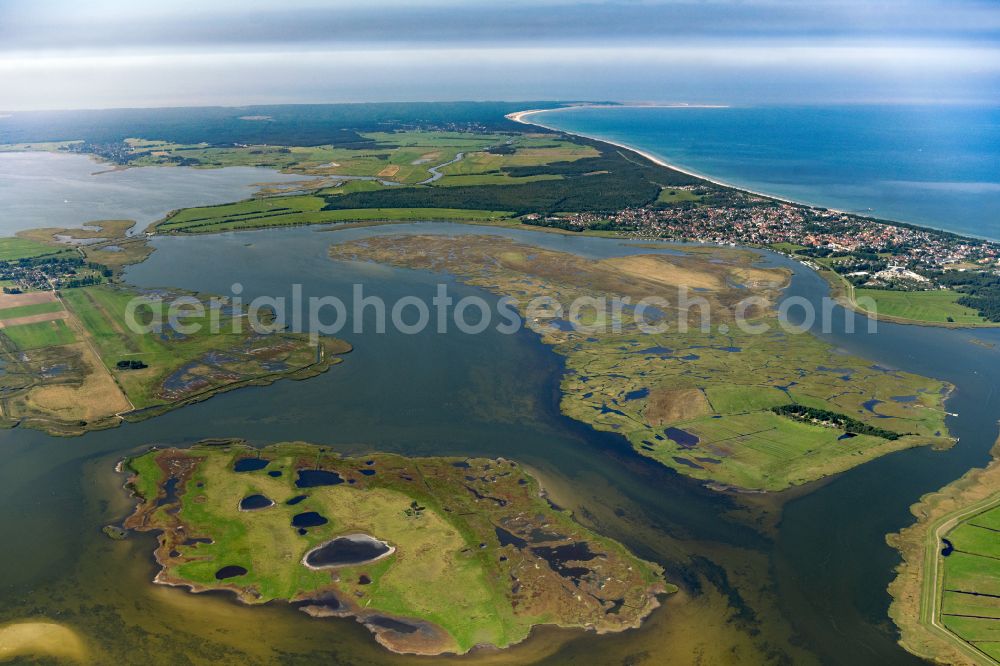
<point x="757" y="411"/>
<point x="433" y="555"/>
<point x="946" y="595"/>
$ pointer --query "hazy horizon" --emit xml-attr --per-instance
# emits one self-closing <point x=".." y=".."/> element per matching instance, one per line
<point x="115" y="54"/>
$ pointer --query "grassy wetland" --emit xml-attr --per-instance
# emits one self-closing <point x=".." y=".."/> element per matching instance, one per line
<point x="425" y="175"/>
<point x="706" y="403"/>
<point x="75" y="363"/>
<point x="471" y="553"/>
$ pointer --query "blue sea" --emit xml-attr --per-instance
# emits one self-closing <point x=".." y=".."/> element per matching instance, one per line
<point x="936" y="166"/>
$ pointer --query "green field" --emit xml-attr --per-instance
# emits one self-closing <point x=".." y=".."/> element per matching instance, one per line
<point x="449" y="576"/>
<point x="28" y="310"/>
<point x="699" y="401"/>
<point x="937" y="306"/>
<point x="485" y="177"/>
<point x="402" y="157"/>
<point x="970" y="584"/>
<point x="12" y="249"/>
<point x="298" y="210"/>
<point x="672" y="195"/>
<point x="186" y="361"/>
<point x="123" y="370"/>
<point x="40" y="334"/>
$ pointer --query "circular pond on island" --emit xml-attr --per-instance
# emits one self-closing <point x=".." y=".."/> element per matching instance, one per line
<point x="347" y="550"/>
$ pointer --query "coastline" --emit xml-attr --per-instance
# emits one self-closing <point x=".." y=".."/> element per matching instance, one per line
<point x="838" y="290"/>
<point x="519" y="117"/>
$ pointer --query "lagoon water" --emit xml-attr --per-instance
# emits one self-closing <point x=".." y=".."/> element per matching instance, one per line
<point x="826" y="564"/>
<point x="824" y="567"/>
<point x="937" y="166"/>
<point x="40" y="189"/>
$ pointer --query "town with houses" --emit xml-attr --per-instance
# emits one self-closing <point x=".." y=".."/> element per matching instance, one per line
<point x="867" y="251"/>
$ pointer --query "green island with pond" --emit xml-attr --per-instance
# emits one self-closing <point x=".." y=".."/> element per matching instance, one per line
<point x="433" y="555"/>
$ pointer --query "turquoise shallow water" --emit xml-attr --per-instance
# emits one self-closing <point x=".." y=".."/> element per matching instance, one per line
<point x="937" y="166"/>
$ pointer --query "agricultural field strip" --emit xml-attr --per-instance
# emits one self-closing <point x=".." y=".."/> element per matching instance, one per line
<point x="933" y="578"/>
<point x="86" y="335"/>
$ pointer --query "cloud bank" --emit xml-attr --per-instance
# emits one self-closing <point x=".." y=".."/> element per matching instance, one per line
<point x="114" y="53"/>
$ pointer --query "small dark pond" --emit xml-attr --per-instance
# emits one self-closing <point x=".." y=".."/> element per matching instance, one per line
<point x="870" y="405"/>
<point x="681" y="437"/>
<point x="367" y="472"/>
<point x="295" y="500"/>
<point x="308" y="519"/>
<point x="169" y="492"/>
<point x="637" y="394"/>
<point x="391" y="624"/>
<point x="255" y="502"/>
<point x="687" y="463"/>
<point x="948" y="549"/>
<point x="274" y="473"/>
<point x="508" y="539"/>
<point x="311" y="478"/>
<point x="231" y="571"/>
<point x="558" y="558"/>
<point x="250" y="464"/>
<point x="663" y="351"/>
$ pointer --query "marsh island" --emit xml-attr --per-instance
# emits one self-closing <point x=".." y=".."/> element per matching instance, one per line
<point x="433" y="555"/>
<point x="761" y="411"/>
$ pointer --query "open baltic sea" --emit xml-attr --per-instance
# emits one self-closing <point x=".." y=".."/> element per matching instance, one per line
<point x="936" y="166"/>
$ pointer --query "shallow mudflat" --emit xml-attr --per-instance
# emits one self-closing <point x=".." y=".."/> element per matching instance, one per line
<point x="433" y="555"/>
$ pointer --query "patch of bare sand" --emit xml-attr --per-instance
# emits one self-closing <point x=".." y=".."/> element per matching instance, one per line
<point x="40" y="639"/>
<point x="389" y="171"/>
<point x="663" y="271"/>
<point x="671" y="405"/>
<point x="97" y="396"/>
<point x="29" y="298"/>
<point x="34" y="319"/>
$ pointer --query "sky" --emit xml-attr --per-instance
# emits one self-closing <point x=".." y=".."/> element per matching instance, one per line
<point x="59" y="54"/>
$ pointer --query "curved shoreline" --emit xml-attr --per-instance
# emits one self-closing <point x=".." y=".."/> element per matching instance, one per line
<point x="519" y="117"/>
<point x="847" y="298"/>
